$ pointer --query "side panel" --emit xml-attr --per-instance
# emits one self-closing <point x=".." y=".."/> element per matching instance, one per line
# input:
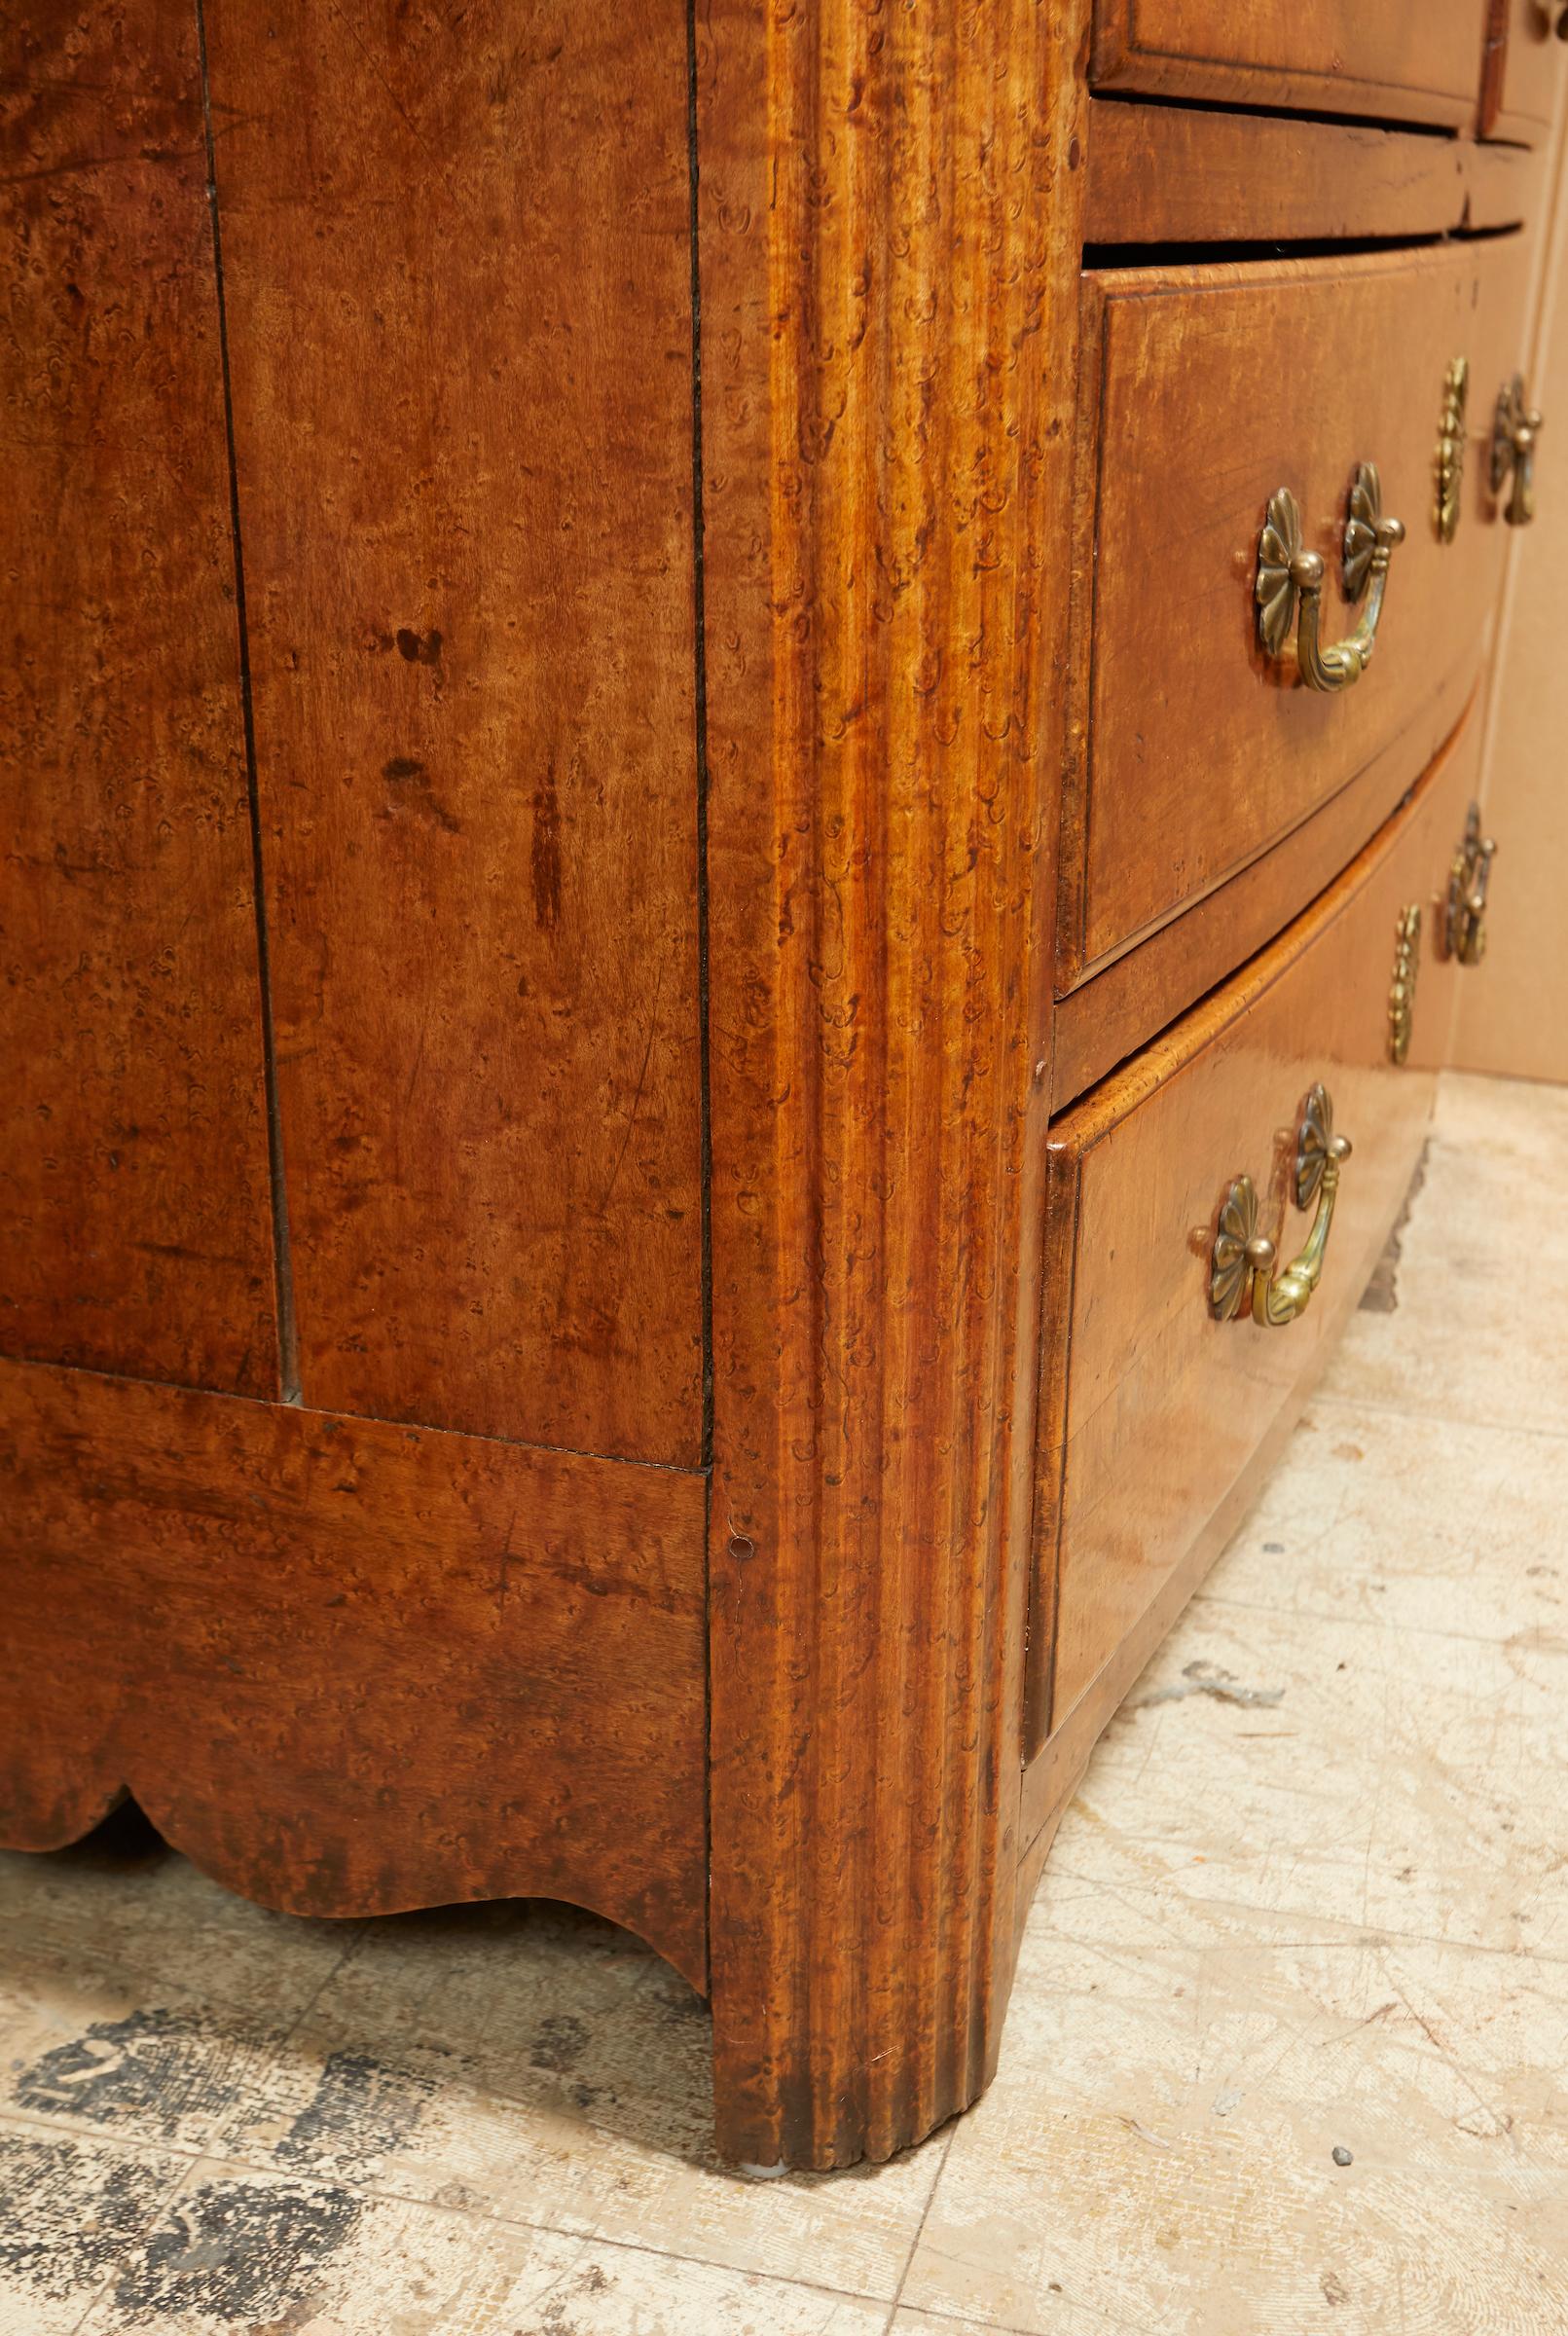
<point x="134" y="1217"/>
<point x="350" y="1667"/>
<point x="457" y="275"/>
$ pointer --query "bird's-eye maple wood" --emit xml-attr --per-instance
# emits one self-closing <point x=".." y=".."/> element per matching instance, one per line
<point x="578" y="620"/>
<point x="136" y="1230"/>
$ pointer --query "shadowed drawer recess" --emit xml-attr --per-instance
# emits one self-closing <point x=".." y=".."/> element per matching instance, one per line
<point x="729" y="751"/>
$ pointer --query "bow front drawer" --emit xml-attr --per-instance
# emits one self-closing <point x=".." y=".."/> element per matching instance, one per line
<point x="1243" y="427"/>
<point x="1209" y="1231"/>
<point x="1406" y="64"/>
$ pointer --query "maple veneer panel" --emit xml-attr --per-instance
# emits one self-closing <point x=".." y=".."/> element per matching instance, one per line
<point x="1416" y="64"/>
<point x="350" y="1667"/>
<point x="135" y="1231"/>
<point x="458" y="273"/>
<point x="1206" y="389"/>
<point x="889" y="258"/>
<point x="1182" y="174"/>
<point x="1523" y="60"/>
<point x="1151" y="1411"/>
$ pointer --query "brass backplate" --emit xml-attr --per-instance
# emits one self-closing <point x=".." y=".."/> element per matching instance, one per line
<point x="1462" y="933"/>
<point x="1450" y="462"/>
<point x="1402" y="988"/>
<point x="1515" y="428"/>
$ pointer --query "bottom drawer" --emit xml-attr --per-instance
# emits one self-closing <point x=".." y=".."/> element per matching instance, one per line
<point x="1153" y="1409"/>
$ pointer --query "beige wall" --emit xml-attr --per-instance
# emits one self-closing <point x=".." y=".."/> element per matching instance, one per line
<point x="1513" y="1016"/>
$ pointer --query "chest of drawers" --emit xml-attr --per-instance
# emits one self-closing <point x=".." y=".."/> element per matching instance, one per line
<point x="735" y="742"/>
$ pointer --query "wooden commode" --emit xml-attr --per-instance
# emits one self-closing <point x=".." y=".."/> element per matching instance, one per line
<point x="739" y="765"/>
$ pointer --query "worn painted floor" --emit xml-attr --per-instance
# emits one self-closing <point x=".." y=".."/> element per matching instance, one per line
<point x="1313" y="1897"/>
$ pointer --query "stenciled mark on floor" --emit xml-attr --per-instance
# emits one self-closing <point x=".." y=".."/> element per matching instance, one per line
<point x="237" y="2251"/>
<point x="206" y="2086"/>
<point x="71" y="2212"/>
<point x="78" y="2212"/>
<point x="152" y="2067"/>
<point x="362" y="2110"/>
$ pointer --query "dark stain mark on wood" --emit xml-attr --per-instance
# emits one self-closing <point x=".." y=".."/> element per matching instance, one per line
<point x="238" y="2252"/>
<point x="420" y="648"/>
<point x="415" y="793"/>
<point x="547" y="853"/>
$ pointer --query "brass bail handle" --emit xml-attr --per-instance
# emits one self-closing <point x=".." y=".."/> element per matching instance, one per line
<point x="1242" y="1279"/>
<point x="1289" y="590"/>
<point x="1462" y="932"/>
<point x="1515" y="428"/>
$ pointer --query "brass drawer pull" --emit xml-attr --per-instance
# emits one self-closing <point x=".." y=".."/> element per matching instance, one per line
<point x="1553" y="14"/>
<point x="1290" y="579"/>
<point x="1516" y="427"/>
<point x="1450" y="462"/>
<point x="1462" y="932"/>
<point x="1240" y="1263"/>
<point x="1402" y="988"/>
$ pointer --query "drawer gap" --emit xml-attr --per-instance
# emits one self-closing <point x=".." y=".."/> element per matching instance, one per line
<point x="1107" y="94"/>
<point x="1098" y="257"/>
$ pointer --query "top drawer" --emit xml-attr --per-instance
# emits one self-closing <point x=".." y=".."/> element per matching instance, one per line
<point x="1399" y="63"/>
<point x="1204" y="392"/>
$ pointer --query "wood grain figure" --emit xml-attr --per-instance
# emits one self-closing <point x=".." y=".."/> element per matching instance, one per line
<point x="889" y="321"/>
<point x="349" y="1667"/>
<point x="1174" y="175"/>
<point x="1137" y="1364"/>
<point x="1317" y="56"/>
<point x="136" y="1223"/>
<point x="659" y="877"/>
<point x="1521" y="73"/>
<point x="1205" y="389"/>
<point x="464" y="425"/>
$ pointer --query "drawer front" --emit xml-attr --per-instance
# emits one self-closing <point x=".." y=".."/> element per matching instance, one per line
<point x="1205" y="390"/>
<point x="1519" y="84"/>
<point x="1408" y="64"/>
<point x="1151" y="1410"/>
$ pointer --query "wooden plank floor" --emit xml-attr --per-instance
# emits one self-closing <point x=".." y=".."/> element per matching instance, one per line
<point x="1312" y="1898"/>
